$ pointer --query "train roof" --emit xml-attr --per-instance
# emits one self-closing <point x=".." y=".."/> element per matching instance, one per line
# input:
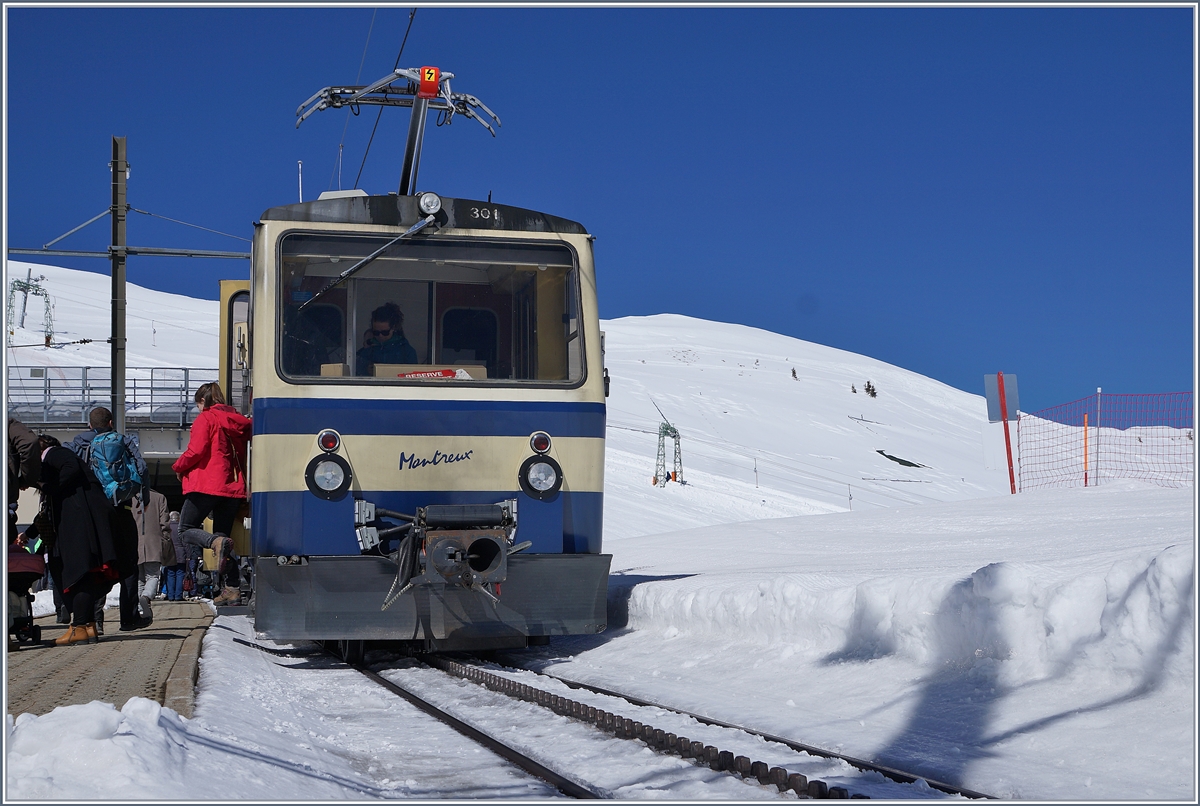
<point x="401" y="211"/>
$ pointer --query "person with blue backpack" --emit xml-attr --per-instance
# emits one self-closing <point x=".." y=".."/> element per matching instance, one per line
<point x="117" y="463"/>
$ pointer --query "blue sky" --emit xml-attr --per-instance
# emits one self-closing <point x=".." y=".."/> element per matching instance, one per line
<point x="953" y="190"/>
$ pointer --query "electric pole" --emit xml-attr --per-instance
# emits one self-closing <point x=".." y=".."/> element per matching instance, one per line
<point x="120" y="175"/>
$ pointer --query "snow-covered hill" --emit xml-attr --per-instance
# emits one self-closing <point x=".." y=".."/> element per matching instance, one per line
<point x="771" y="427"/>
<point x="162" y="330"/>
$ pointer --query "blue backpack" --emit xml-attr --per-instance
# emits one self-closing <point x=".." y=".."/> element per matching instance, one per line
<point x="110" y="459"/>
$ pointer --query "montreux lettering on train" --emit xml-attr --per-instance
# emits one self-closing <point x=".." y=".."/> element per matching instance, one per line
<point x="413" y="461"/>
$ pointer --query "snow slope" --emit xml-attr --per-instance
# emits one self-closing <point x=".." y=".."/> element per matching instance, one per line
<point x="162" y="330"/>
<point x="1038" y="646"/>
<point x="730" y="391"/>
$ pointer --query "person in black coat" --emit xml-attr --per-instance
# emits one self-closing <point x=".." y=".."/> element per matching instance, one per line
<point x="89" y="556"/>
<point x="23" y="467"/>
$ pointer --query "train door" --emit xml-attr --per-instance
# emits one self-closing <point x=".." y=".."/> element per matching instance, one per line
<point x="233" y="365"/>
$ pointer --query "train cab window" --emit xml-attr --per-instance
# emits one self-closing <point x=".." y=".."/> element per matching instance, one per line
<point x="312" y="338"/>
<point x="429" y="311"/>
<point x="471" y="336"/>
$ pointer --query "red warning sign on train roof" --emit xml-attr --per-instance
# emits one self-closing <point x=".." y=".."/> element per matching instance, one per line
<point x="430" y="78"/>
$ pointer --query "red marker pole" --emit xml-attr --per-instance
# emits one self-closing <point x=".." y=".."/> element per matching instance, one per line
<point x="1012" y="481"/>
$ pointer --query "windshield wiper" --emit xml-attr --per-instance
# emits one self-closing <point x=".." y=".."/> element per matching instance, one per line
<point x="415" y="228"/>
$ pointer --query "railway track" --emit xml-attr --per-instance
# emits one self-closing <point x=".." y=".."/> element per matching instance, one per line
<point x="564" y="784"/>
<point x="888" y="772"/>
<point x="691" y="753"/>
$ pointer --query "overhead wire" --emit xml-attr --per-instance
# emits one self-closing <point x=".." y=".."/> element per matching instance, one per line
<point x="60" y="343"/>
<point x="92" y="302"/>
<point x="186" y="224"/>
<point x="337" y="167"/>
<point x="411" y="15"/>
<point x="131" y="208"/>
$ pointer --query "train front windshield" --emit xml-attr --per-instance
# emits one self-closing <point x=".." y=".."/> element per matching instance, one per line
<point x="445" y="310"/>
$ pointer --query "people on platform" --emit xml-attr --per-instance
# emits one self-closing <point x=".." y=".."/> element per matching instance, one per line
<point x="175" y="572"/>
<point x="41" y="533"/>
<point x="24" y="468"/>
<point x="85" y="560"/>
<point x="125" y="530"/>
<point x="213" y="472"/>
<point x="101" y="421"/>
<point x="150" y="513"/>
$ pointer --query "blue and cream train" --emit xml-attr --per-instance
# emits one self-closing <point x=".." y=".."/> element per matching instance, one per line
<point x="453" y="501"/>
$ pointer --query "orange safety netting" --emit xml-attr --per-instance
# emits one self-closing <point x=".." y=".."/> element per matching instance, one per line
<point x="1102" y="437"/>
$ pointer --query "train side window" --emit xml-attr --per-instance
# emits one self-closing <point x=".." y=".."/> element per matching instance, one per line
<point x="572" y="332"/>
<point x="548" y="344"/>
<point x="238" y="357"/>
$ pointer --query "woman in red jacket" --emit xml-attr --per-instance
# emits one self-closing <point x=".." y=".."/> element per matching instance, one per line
<point x="214" y="481"/>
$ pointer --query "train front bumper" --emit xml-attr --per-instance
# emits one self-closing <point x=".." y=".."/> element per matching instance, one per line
<point x="341" y="598"/>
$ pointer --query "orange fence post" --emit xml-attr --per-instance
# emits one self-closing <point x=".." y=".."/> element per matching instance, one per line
<point x="1085" y="450"/>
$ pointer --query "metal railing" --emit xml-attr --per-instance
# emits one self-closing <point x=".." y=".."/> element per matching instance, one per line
<point x="65" y="395"/>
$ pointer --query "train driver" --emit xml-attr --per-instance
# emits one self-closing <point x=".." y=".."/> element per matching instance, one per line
<point x="385" y="342"/>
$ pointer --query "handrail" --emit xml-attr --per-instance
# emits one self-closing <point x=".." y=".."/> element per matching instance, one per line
<point x="49" y="395"/>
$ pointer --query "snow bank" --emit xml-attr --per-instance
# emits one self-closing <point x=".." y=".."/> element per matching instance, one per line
<point x="962" y="640"/>
<point x="1040" y="621"/>
<point x="1123" y="613"/>
<point x="137" y="752"/>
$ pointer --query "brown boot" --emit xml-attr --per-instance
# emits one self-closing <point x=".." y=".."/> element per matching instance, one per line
<point x="229" y="596"/>
<point x="219" y="547"/>
<point x="75" y="634"/>
<point x="93" y="633"/>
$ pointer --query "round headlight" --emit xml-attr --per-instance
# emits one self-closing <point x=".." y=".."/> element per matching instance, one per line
<point x="429" y="203"/>
<point x="540" y="477"/>
<point x="329" y="440"/>
<point x="328" y="476"/>
<point x="540" y="442"/>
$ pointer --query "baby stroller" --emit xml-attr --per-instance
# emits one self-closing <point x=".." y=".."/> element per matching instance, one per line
<point x="197" y="582"/>
<point x="205" y="582"/>
<point x="24" y="569"/>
